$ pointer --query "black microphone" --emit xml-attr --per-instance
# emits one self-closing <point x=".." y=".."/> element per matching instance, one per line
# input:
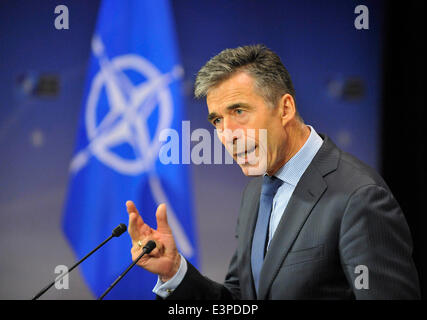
<point x="117" y="232"/>
<point x="149" y="246"/>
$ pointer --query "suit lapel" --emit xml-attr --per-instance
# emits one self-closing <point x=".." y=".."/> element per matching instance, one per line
<point x="305" y="196"/>
<point x="247" y="227"/>
<point x="296" y="213"/>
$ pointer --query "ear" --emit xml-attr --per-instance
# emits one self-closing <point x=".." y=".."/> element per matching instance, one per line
<point x="287" y="108"/>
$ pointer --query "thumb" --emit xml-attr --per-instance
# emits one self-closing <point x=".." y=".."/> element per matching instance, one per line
<point x="162" y="219"/>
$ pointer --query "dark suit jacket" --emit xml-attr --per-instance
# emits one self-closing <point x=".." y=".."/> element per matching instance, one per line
<point x="340" y="216"/>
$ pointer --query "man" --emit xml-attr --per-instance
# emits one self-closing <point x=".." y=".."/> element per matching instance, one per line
<point x="316" y="224"/>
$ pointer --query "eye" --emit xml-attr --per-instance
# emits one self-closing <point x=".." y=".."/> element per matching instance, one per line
<point x="239" y="111"/>
<point x="215" y="122"/>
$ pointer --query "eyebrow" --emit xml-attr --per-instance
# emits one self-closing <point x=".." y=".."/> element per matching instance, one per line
<point x="212" y="116"/>
<point x="232" y="107"/>
<point x="236" y="106"/>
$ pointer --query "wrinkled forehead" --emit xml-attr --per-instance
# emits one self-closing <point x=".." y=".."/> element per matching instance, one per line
<point x="237" y="89"/>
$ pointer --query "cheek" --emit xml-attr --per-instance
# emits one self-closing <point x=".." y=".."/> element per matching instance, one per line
<point x="220" y="135"/>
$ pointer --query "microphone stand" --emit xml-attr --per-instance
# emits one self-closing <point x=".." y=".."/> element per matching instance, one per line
<point x="147" y="249"/>
<point x="116" y="233"/>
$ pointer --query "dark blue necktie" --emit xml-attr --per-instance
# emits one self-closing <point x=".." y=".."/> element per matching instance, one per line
<point x="268" y="190"/>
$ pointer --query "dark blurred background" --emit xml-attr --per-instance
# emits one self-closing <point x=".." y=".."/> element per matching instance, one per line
<point x="363" y="88"/>
<point x="403" y="104"/>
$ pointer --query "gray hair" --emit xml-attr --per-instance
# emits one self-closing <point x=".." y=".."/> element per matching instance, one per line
<point x="272" y="80"/>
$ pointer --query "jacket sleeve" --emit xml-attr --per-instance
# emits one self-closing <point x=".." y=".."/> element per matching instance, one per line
<point x="195" y="286"/>
<point x="376" y="247"/>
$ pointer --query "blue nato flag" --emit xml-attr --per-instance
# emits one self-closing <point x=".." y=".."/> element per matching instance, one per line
<point x="132" y="93"/>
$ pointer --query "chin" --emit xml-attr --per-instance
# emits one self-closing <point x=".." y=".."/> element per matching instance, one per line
<point x="251" y="170"/>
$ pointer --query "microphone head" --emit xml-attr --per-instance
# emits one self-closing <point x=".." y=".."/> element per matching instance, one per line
<point x="149" y="246"/>
<point x="118" y="231"/>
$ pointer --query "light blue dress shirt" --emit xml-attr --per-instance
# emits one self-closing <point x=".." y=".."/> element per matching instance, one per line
<point x="290" y="174"/>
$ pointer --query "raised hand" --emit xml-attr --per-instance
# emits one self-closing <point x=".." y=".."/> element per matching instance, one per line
<point x="164" y="260"/>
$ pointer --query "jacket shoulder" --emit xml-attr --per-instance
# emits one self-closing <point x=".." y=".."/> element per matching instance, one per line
<point x="357" y="174"/>
<point x="344" y="171"/>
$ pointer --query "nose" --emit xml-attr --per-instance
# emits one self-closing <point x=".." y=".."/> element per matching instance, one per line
<point x="229" y="124"/>
<point x="230" y="132"/>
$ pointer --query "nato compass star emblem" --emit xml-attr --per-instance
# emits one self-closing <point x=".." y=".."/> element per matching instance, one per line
<point x="126" y="122"/>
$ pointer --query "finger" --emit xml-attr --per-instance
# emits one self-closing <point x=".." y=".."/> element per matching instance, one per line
<point x="138" y="245"/>
<point x="133" y="225"/>
<point x="162" y="219"/>
<point x="136" y="225"/>
<point x="130" y="206"/>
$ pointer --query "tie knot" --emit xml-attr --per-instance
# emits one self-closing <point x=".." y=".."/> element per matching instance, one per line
<point x="270" y="185"/>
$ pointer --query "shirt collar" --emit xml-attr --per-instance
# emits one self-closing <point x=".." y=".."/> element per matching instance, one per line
<point x="292" y="170"/>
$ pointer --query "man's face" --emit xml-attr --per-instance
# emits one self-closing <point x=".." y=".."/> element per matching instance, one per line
<point x="239" y="114"/>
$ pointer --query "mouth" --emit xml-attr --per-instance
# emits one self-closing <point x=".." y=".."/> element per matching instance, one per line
<point x="245" y="154"/>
